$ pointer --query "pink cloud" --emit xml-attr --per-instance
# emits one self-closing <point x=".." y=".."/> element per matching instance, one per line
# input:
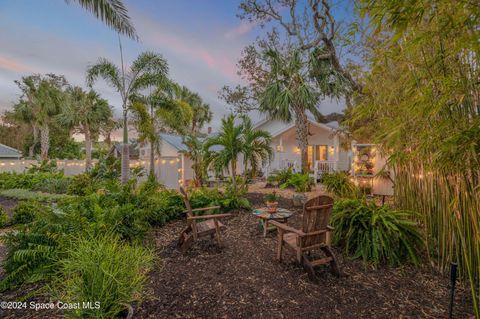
<point x="243" y="28"/>
<point x="12" y="65"/>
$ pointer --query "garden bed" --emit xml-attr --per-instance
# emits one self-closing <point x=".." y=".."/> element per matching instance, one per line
<point x="243" y="280"/>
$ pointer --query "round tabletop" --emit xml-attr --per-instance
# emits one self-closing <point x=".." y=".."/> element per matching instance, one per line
<point x="281" y="213"/>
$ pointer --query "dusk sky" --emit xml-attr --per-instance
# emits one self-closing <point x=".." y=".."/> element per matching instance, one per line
<point x="201" y="40"/>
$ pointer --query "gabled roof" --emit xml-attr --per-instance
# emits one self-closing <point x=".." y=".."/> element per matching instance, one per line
<point x="331" y="126"/>
<point x="9" y="152"/>
<point x="175" y="140"/>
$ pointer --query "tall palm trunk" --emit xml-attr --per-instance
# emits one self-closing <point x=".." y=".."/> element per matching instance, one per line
<point x="31" y="149"/>
<point x="44" y="141"/>
<point x="301" y="126"/>
<point x="152" y="148"/>
<point x="234" y="174"/>
<point x="88" y="148"/>
<point x="125" y="149"/>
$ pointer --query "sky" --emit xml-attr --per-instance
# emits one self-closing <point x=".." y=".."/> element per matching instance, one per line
<point x="201" y="40"/>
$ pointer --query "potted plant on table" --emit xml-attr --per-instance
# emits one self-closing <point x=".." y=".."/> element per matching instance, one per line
<point x="271" y="200"/>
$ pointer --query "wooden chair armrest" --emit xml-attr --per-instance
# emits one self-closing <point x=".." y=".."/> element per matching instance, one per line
<point x="286" y="228"/>
<point x="209" y="216"/>
<point x="202" y="209"/>
<point x="330" y="227"/>
<point x="317" y="232"/>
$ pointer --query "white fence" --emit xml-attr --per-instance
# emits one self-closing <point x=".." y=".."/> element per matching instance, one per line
<point x="69" y="167"/>
<point x="167" y="169"/>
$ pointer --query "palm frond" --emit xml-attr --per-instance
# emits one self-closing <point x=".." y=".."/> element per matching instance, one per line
<point x="112" y="12"/>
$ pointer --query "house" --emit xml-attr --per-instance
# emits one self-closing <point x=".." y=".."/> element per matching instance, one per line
<point x="325" y="151"/>
<point x="7" y="152"/>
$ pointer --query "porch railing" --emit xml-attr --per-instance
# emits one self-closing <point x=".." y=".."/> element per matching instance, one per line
<point x="322" y="167"/>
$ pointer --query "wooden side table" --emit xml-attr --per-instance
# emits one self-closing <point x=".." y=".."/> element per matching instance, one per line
<point x="281" y="215"/>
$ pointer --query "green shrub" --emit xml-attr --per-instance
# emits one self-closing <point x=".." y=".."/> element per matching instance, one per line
<point x="32" y="253"/>
<point x="376" y="234"/>
<point x="339" y="184"/>
<point x="163" y="206"/>
<point x="25" y="212"/>
<point x="280" y="177"/>
<point x="81" y="184"/>
<point x="103" y="269"/>
<point x="28" y="180"/>
<point x="300" y="182"/>
<point x="3" y="217"/>
<point x="235" y="199"/>
<point x="205" y="197"/>
<point x="53" y="185"/>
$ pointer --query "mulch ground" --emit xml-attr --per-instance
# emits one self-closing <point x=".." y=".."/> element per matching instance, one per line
<point x="242" y="279"/>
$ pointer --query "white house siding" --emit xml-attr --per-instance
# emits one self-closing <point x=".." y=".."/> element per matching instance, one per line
<point x="290" y="153"/>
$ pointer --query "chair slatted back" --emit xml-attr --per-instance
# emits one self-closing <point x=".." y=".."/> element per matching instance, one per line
<point x="192" y="222"/>
<point x="316" y="214"/>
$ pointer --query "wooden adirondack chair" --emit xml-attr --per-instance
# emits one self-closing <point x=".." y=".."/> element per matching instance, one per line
<point x="197" y="228"/>
<point x="314" y="235"/>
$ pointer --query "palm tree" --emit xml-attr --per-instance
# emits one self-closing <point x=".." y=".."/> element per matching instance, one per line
<point x="112" y="12"/>
<point x="158" y="112"/>
<point x="230" y="140"/>
<point x="22" y="112"/>
<point x="149" y="69"/>
<point x="41" y="101"/>
<point x="256" y="147"/>
<point x="85" y="114"/>
<point x="197" y="154"/>
<point x="201" y="110"/>
<point x="289" y="94"/>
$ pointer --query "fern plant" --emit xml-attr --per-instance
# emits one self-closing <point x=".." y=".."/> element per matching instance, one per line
<point x="300" y="182"/>
<point x="339" y="184"/>
<point x="376" y="234"/>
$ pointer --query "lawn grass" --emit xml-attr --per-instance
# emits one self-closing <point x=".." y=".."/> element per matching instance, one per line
<point x="26" y="194"/>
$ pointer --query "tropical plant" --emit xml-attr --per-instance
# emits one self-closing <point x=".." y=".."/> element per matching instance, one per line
<point x="271" y="197"/>
<point x="40" y="102"/>
<point x="230" y="139"/>
<point x="85" y="113"/>
<point x="339" y="184"/>
<point x="149" y="69"/>
<point x="280" y="177"/>
<point x="112" y="12"/>
<point x="423" y="88"/>
<point x="159" y="111"/>
<point x="256" y="148"/>
<point x="289" y="94"/>
<point x="376" y="234"/>
<point x="301" y="182"/>
<point x="197" y="154"/>
<point x="102" y="269"/>
<point x="201" y="113"/>
<point x="3" y="217"/>
<point x="25" y="212"/>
